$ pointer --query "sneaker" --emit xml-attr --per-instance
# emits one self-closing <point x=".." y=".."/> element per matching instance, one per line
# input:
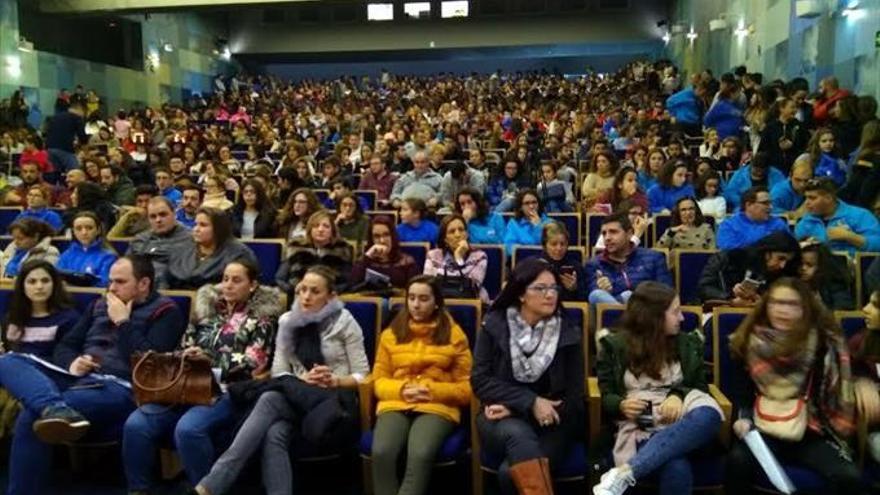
<point x="614" y="482"/>
<point x="60" y="424"/>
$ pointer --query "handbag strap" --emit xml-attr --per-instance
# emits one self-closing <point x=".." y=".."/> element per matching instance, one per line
<point x="138" y="384"/>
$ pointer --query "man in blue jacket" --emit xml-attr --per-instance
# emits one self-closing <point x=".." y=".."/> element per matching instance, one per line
<point x="750" y="224"/>
<point x="613" y="274"/>
<point x="757" y="173"/>
<point x="842" y="226"/>
<point x="87" y="387"/>
<point x="686" y="109"/>
<point x="788" y="196"/>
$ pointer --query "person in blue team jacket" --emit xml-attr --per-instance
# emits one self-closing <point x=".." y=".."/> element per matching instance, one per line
<point x="528" y="222"/>
<point x="88" y="254"/>
<point x="671" y="187"/>
<point x="484" y="226"/>
<point x="750" y="224"/>
<point x="757" y="173"/>
<point x="414" y="227"/>
<point x="842" y="226"/>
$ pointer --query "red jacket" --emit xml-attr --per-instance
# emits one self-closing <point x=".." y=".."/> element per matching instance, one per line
<point x="822" y="107"/>
<point x="40" y="157"/>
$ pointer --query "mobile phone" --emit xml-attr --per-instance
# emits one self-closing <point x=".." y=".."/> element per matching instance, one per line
<point x="566" y="270"/>
<point x="751" y="284"/>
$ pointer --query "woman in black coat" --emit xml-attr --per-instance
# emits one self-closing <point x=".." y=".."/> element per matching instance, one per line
<point x="253" y="217"/>
<point x="528" y="373"/>
<point x="88" y="196"/>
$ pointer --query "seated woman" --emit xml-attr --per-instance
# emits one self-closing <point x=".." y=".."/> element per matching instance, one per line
<point x="320" y="246"/>
<point x="649" y="174"/>
<point x="827" y="275"/>
<point x="351" y="220"/>
<point x="420" y="378"/>
<point x="484" y="226"/>
<point x="671" y="186"/>
<point x="88" y="258"/>
<point x="529" y="376"/>
<point x="502" y="188"/>
<point x="790" y="349"/>
<point x="603" y="168"/>
<point x="89" y="196"/>
<point x="202" y="261"/>
<point x="555" y="242"/>
<point x="319" y="355"/>
<point x="301" y="204"/>
<point x="31" y="240"/>
<point x="453" y="258"/>
<point x="414" y="225"/>
<point x="740" y="276"/>
<point x="233" y="325"/>
<point x="253" y="217"/>
<point x="688" y="229"/>
<point x="38" y="208"/>
<point x="215" y="193"/>
<point x="865" y="349"/>
<point x="528" y="222"/>
<point x="653" y="385"/>
<point x="554" y="192"/>
<point x="710" y="199"/>
<point x="625" y="187"/>
<point x="383" y="255"/>
<point x="40" y="311"/>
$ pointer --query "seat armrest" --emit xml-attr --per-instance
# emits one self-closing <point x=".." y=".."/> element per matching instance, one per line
<point x="594" y="408"/>
<point x="367" y="403"/>
<point x="727" y="409"/>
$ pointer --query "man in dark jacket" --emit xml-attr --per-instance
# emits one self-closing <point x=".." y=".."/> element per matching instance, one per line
<point x="120" y="189"/>
<point x="87" y="387"/>
<point x="163" y="236"/>
<point x="784" y="138"/>
<point x="615" y="273"/>
<point x="740" y="276"/>
<point x="64" y="128"/>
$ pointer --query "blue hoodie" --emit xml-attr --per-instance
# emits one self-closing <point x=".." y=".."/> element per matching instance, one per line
<point x="425" y="231"/>
<point x="44" y="215"/>
<point x="523" y="232"/>
<point x="660" y="197"/>
<point x="725" y="117"/>
<point x="94" y="259"/>
<point x="832" y="168"/>
<point x="742" y="182"/>
<point x="684" y="106"/>
<point x="859" y="220"/>
<point x="646" y="182"/>
<point x="785" y="198"/>
<point x="489" y="230"/>
<point x="740" y="231"/>
<point x="174" y="195"/>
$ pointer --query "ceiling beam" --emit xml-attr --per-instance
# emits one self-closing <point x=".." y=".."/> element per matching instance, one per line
<point x="92" y="6"/>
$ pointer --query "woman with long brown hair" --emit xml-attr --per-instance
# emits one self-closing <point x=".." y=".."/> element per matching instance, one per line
<point x="654" y="387"/>
<point x="793" y="383"/>
<point x="421" y="373"/>
<point x="301" y="204"/>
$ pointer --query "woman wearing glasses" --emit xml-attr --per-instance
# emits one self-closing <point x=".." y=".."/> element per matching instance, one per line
<point x="529" y="376"/>
<point x="528" y="222"/>
<point x="688" y="229"/>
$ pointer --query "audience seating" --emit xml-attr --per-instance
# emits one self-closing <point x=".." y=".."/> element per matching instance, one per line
<point x="121" y="244"/>
<point x="863" y="263"/>
<point x="496" y="271"/>
<point x="688" y="265"/>
<point x="418" y="250"/>
<point x="7" y="216"/>
<point x="523" y="252"/>
<point x="270" y="254"/>
<point x="392" y="214"/>
<point x="572" y="222"/>
<point x="368" y="197"/>
<point x="851" y="322"/>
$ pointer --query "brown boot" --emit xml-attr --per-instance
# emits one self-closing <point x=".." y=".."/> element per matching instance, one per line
<point x="532" y="477"/>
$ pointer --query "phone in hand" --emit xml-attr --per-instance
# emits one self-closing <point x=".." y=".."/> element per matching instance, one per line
<point x="566" y="270"/>
<point x="751" y="284"/>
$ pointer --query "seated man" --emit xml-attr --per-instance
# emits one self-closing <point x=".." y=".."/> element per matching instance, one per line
<point x="71" y="179"/>
<point x="165" y="185"/>
<point x="163" y="236"/>
<point x="750" y="224"/>
<point x="757" y="173"/>
<point x="613" y="274"/>
<point x="377" y="178"/>
<point x="458" y="177"/>
<point x="190" y="202"/>
<point x="37" y="207"/>
<point x="421" y="183"/>
<point x="842" y="226"/>
<point x="788" y="196"/>
<point x="120" y="189"/>
<point x="30" y="176"/>
<point x="87" y="387"/>
<point x="134" y="219"/>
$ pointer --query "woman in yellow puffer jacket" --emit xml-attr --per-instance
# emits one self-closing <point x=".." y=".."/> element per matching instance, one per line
<point x="421" y="378"/>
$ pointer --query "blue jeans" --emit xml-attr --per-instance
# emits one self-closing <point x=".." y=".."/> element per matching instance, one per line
<point x="194" y="430"/>
<point x="600" y="296"/>
<point x="105" y="403"/>
<point x="665" y="453"/>
<point x="505" y="205"/>
<point x="63" y="161"/>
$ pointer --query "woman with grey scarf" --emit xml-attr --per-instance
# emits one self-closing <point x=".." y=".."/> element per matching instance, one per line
<point x="529" y="376"/>
<point x="321" y="346"/>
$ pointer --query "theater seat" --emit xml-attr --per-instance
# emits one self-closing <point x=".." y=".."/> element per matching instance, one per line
<point x="7" y="216"/>
<point x="369" y="313"/>
<point x="269" y="253"/>
<point x="688" y="265"/>
<point x="495" y="269"/>
<point x="418" y="250"/>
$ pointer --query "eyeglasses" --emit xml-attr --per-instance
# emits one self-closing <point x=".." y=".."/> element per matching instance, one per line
<point x="530" y="203"/>
<point x="544" y="289"/>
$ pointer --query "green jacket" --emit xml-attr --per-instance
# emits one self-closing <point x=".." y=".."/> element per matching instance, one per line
<point x="612" y="365"/>
<point x="123" y="192"/>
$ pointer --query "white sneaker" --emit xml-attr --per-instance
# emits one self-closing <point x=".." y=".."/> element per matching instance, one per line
<point x="614" y="482"/>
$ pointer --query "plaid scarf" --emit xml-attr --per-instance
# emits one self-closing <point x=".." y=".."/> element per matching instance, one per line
<point x="831" y="403"/>
<point x="532" y="349"/>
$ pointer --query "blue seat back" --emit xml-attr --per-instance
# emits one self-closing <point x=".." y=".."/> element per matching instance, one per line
<point x="269" y="254"/>
<point x="367" y="197"/>
<point x="466" y="312"/>
<point x="863" y="262"/>
<point x="594" y="228"/>
<point x="724" y="322"/>
<point x="572" y="222"/>
<point x="7" y="216"/>
<point x="120" y="245"/>
<point x="689" y="266"/>
<point x="851" y="322"/>
<point x="5" y="299"/>
<point x="608" y="314"/>
<point x="495" y="268"/>
<point x="82" y="298"/>
<point x="418" y="250"/>
<point x="369" y="313"/>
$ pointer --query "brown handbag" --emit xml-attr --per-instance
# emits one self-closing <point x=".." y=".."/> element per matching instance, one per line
<point x="172" y="378"/>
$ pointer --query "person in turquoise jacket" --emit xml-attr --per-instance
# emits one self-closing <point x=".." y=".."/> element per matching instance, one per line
<point x="788" y="195"/>
<point x="484" y="226"/>
<point x="750" y="224"/>
<point x="671" y="186"/>
<point x="757" y="173"/>
<point x="526" y="226"/>
<point x="842" y="226"/>
<point x="88" y="254"/>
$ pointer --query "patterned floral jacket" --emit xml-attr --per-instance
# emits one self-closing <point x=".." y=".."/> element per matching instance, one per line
<point x="239" y="341"/>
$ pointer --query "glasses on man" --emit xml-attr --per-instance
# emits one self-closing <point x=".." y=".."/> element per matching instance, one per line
<point x="545" y="289"/>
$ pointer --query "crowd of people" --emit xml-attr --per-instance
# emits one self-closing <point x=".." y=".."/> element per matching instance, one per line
<point x="779" y="184"/>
